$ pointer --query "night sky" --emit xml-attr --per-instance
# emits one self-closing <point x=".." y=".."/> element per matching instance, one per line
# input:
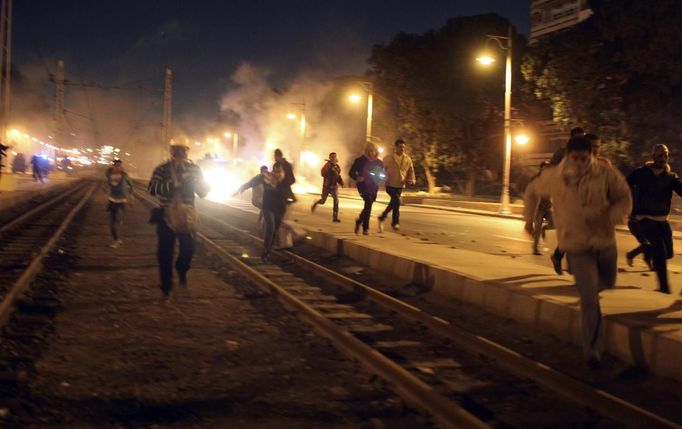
<point x="124" y="41"/>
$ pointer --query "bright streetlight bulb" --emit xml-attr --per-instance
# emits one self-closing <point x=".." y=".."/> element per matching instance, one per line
<point x="354" y="98"/>
<point x="522" y="139"/>
<point x="485" y="60"/>
<point x="291" y="116"/>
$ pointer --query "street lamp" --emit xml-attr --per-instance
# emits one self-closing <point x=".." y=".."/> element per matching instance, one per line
<point x="301" y="125"/>
<point x="235" y="142"/>
<point x="487" y="60"/>
<point x="356" y="98"/>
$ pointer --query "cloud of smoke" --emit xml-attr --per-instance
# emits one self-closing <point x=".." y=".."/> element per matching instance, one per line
<point x="268" y="119"/>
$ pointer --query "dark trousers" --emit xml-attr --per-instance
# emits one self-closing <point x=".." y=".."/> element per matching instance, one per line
<point x="393" y="205"/>
<point x="660" y="238"/>
<point x="165" y="252"/>
<point x="272" y="221"/>
<point x="115" y="217"/>
<point x="644" y="246"/>
<point x="539" y="226"/>
<point x="366" y="213"/>
<point x="335" y="197"/>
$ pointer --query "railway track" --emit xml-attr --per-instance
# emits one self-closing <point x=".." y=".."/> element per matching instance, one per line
<point x="27" y="239"/>
<point x="433" y="365"/>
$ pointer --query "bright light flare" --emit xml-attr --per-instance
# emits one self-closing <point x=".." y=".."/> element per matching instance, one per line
<point x="228" y="135"/>
<point x="291" y="116"/>
<point x="310" y="158"/>
<point x="522" y="139"/>
<point x="486" y="60"/>
<point x="381" y="150"/>
<point x="222" y="182"/>
<point x="354" y="98"/>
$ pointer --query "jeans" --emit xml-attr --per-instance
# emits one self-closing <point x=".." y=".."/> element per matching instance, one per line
<point x="660" y="238"/>
<point x="593" y="271"/>
<point x="272" y="221"/>
<point x="366" y="213"/>
<point x="393" y="205"/>
<point x="166" y="250"/>
<point x="115" y="217"/>
<point x="335" y="196"/>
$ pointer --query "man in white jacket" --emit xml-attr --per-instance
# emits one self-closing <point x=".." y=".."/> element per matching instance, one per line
<point x="589" y="199"/>
<point x="399" y="172"/>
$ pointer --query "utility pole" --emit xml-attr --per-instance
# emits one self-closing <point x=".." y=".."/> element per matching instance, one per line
<point x="59" y="102"/>
<point x="5" y="63"/>
<point x="167" y="106"/>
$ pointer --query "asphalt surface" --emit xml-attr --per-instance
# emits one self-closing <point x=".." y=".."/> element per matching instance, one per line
<point x="485" y="234"/>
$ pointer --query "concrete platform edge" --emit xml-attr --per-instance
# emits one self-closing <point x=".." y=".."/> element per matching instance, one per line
<point x="637" y="345"/>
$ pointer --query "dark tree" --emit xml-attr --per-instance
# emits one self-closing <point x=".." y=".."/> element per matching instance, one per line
<point x="431" y="92"/>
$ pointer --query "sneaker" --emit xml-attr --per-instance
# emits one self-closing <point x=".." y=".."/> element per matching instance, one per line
<point x="336" y="220"/>
<point x="116" y="244"/>
<point x="556" y="262"/>
<point x="381" y="223"/>
<point x="314" y="206"/>
<point x="396" y="227"/>
<point x="357" y="226"/>
<point x="365" y="232"/>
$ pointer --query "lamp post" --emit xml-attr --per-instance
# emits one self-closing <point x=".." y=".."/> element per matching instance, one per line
<point x="504" y="200"/>
<point x="235" y="143"/>
<point x="355" y="98"/>
<point x="301" y="125"/>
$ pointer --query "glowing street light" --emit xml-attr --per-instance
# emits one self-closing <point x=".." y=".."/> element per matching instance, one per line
<point x="487" y="60"/>
<point x="522" y="139"/>
<point x="354" y="98"/>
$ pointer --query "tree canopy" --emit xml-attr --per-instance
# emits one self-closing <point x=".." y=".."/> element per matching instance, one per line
<point x="430" y="92"/>
<point x="618" y="73"/>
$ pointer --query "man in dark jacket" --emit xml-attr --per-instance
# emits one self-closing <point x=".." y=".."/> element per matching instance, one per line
<point x="368" y="173"/>
<point x="289" y="178"/>
<point x="652" y="187"/>
<point x="331" y="172"/>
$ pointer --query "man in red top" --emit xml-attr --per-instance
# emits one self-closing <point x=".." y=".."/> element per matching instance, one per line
<point x="330" y="186"/>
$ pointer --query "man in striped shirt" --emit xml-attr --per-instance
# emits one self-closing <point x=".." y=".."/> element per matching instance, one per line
<point x="178" y="177"/>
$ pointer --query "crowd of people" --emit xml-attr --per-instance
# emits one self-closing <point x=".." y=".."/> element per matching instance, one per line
<point x="579" y="193"/>
<point x="584" y="197"/>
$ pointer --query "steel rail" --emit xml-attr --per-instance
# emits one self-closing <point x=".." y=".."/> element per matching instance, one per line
<point x="447" y="413"/>
<point x="27" y="276"/>
<point x="22" y="218"/>
<point x="605" y="403"/>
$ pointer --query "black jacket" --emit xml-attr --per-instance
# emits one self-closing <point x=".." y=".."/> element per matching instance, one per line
<point x="652" y="194"/>
<point x="371" y="170"/>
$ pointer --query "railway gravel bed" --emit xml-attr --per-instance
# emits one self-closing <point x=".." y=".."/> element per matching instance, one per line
<point x="93" y="345"/>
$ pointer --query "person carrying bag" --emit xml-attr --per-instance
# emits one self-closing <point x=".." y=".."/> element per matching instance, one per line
<point x="175" y="183"/>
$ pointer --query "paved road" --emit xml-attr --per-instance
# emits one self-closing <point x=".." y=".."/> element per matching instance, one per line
<point x="486" y="234"/>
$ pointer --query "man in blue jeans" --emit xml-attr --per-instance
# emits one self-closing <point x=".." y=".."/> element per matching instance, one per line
<point x="399" y="172"/>
<point x="590" y="198"/>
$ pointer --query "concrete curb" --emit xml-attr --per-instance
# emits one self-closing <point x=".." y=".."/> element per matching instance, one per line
<point x="631" y="340"/>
